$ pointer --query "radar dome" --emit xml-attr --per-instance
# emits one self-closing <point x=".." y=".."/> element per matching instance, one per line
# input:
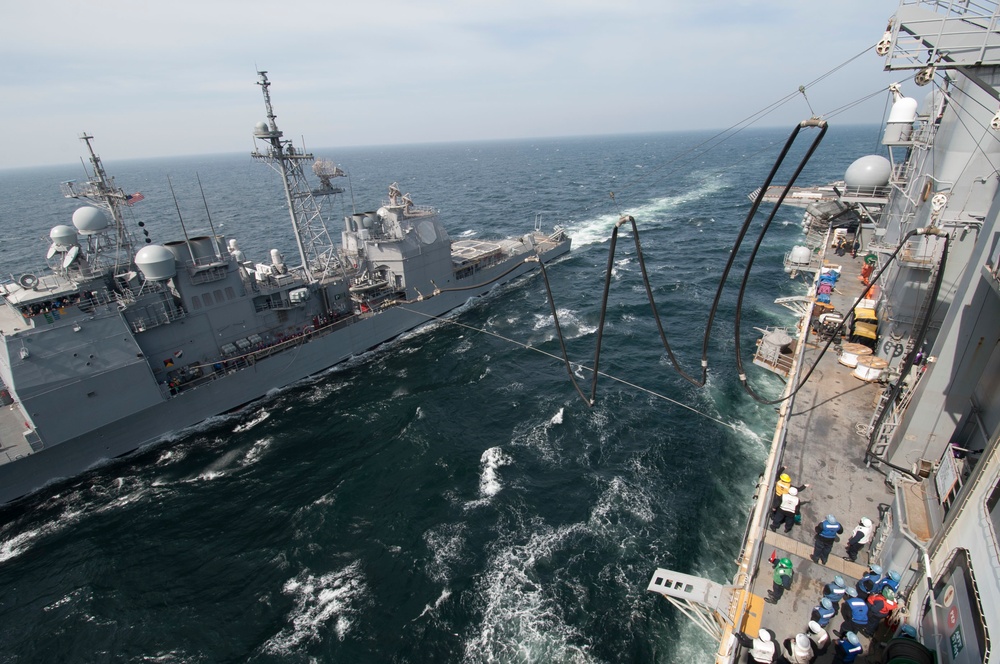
<point x="870" y="171"/>
<point x="156" y="262"/>
<point x="800" y="255"/>
<point x="261" y="129"/>
<point x="932" y="103"/>
<point x="904" y="110"/>
<point x="63" y="236"/>
<point x="89" y="220"/>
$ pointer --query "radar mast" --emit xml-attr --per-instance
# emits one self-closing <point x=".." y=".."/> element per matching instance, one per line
<point x="101" y="192"/>
<point x="316" y="250"/>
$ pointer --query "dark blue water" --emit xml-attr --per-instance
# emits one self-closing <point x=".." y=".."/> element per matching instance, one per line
<point x="447" y="497"/>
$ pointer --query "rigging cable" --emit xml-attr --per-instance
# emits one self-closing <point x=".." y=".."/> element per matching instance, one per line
<point x="452" y="321"/>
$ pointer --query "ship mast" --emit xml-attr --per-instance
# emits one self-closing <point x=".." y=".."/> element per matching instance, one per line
<point x="100" y="191"/>
<point x="316" y="250"/>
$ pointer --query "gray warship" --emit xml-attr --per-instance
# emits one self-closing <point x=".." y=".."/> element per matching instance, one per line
<point x="113" y="346"/>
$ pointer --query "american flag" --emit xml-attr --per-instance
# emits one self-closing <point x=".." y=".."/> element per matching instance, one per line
<point x="134" y="198"/>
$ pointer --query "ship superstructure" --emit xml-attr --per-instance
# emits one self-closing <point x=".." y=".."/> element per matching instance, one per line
<point x="900" y="423"/>
<point x="111" y="347"/>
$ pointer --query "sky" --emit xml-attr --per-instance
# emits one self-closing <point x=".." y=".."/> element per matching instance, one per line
<point x="152" y="79"/>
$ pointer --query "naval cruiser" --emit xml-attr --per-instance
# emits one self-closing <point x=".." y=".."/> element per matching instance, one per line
<point x="119" y="342"/>
<point x="898" y="428"/>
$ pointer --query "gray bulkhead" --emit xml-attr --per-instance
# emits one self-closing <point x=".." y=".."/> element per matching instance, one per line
<point x="80" y="375"/>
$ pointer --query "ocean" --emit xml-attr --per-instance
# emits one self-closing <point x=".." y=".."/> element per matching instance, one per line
<point x="446" y="496"/>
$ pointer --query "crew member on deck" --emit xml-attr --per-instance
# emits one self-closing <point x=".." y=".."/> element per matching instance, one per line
<point x="787" y="509"/>
<point x="861" y="535"/>
<point x="826" y="534"/>
<point x="762" y="648"/>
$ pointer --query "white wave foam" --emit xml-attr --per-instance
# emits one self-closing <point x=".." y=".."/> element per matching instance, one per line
<point x="319" y="600"/>
<point x="621" y="497"/>
<point x="489" y="480"/>
<point x="521" y="619"/>
<point x="250" y="424"/>
<point x="570" y="324"/>
<point x="447" y="547"/>
<point x="537" y="436"/>
<point x="19" y="543"/>
<point x="598" y="230"/>
<point x="445" y="595"/>
<point x="256" y="452"/>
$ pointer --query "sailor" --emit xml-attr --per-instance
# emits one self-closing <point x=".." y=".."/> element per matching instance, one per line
<point x="880" y="605"/>
<point x="781" y="487"/>
<point x="787" y="509"/>
<point x="855" y="612"/>
<point x="826" y="533"/>
<point x="823" y="613"/>
<point x="818" y="637"/>
<point x="799" y="650"/>
<point x="866" y="584"/>
<point x="834" y="591"/>
<point x="861" y="535"/>
<point x="761" y="648"/>
<point x="890" y="580"/>
<point x="847" y="649"/>
<point x="782" y="580"/>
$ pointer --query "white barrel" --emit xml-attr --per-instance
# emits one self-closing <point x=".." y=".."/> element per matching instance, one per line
<point x="851" y="352"/>
<point x="870" y="368"/>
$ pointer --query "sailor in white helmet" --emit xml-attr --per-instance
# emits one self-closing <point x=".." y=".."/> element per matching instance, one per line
<point x="762" y="648"/>
<point x="799" y="649"/>
<point x="819" y="637"/>
<point x="861" y="535"/>
<point x="787" y="509"/>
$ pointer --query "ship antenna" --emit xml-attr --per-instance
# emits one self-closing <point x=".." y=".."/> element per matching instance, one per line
<point x="315" y="246"/>
<point x="187" y="240"/>
<point x="215" y="238"/>
<point x="100" y="190"/>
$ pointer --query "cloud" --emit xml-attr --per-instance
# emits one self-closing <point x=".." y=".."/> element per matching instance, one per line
<point x="155" y="79"/>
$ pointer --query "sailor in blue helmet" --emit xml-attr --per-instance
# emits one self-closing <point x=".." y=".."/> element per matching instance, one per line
<point x="826" y="534"/>
<point x="866" y="584"/>
<point x="855" y="612"/>
<point x="834" y="591"/>
<point x="824" y="612"/>
<point x="890" y="580"/>
<point x="847" y="649"/>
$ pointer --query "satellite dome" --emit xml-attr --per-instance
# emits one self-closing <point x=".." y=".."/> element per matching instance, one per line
<point x="156" y="262"/>
<point x="932" y="103"/>
<point x="800" y="255"/>
<point x="261" y="129"/>
<point x="870" y="171"/>
<point x="904" y="110"/>
<point x="63" y="236"/>
<point x="89" y="220"/>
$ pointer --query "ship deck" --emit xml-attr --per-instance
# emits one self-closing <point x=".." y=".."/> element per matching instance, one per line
<point x="824" y="447"/>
